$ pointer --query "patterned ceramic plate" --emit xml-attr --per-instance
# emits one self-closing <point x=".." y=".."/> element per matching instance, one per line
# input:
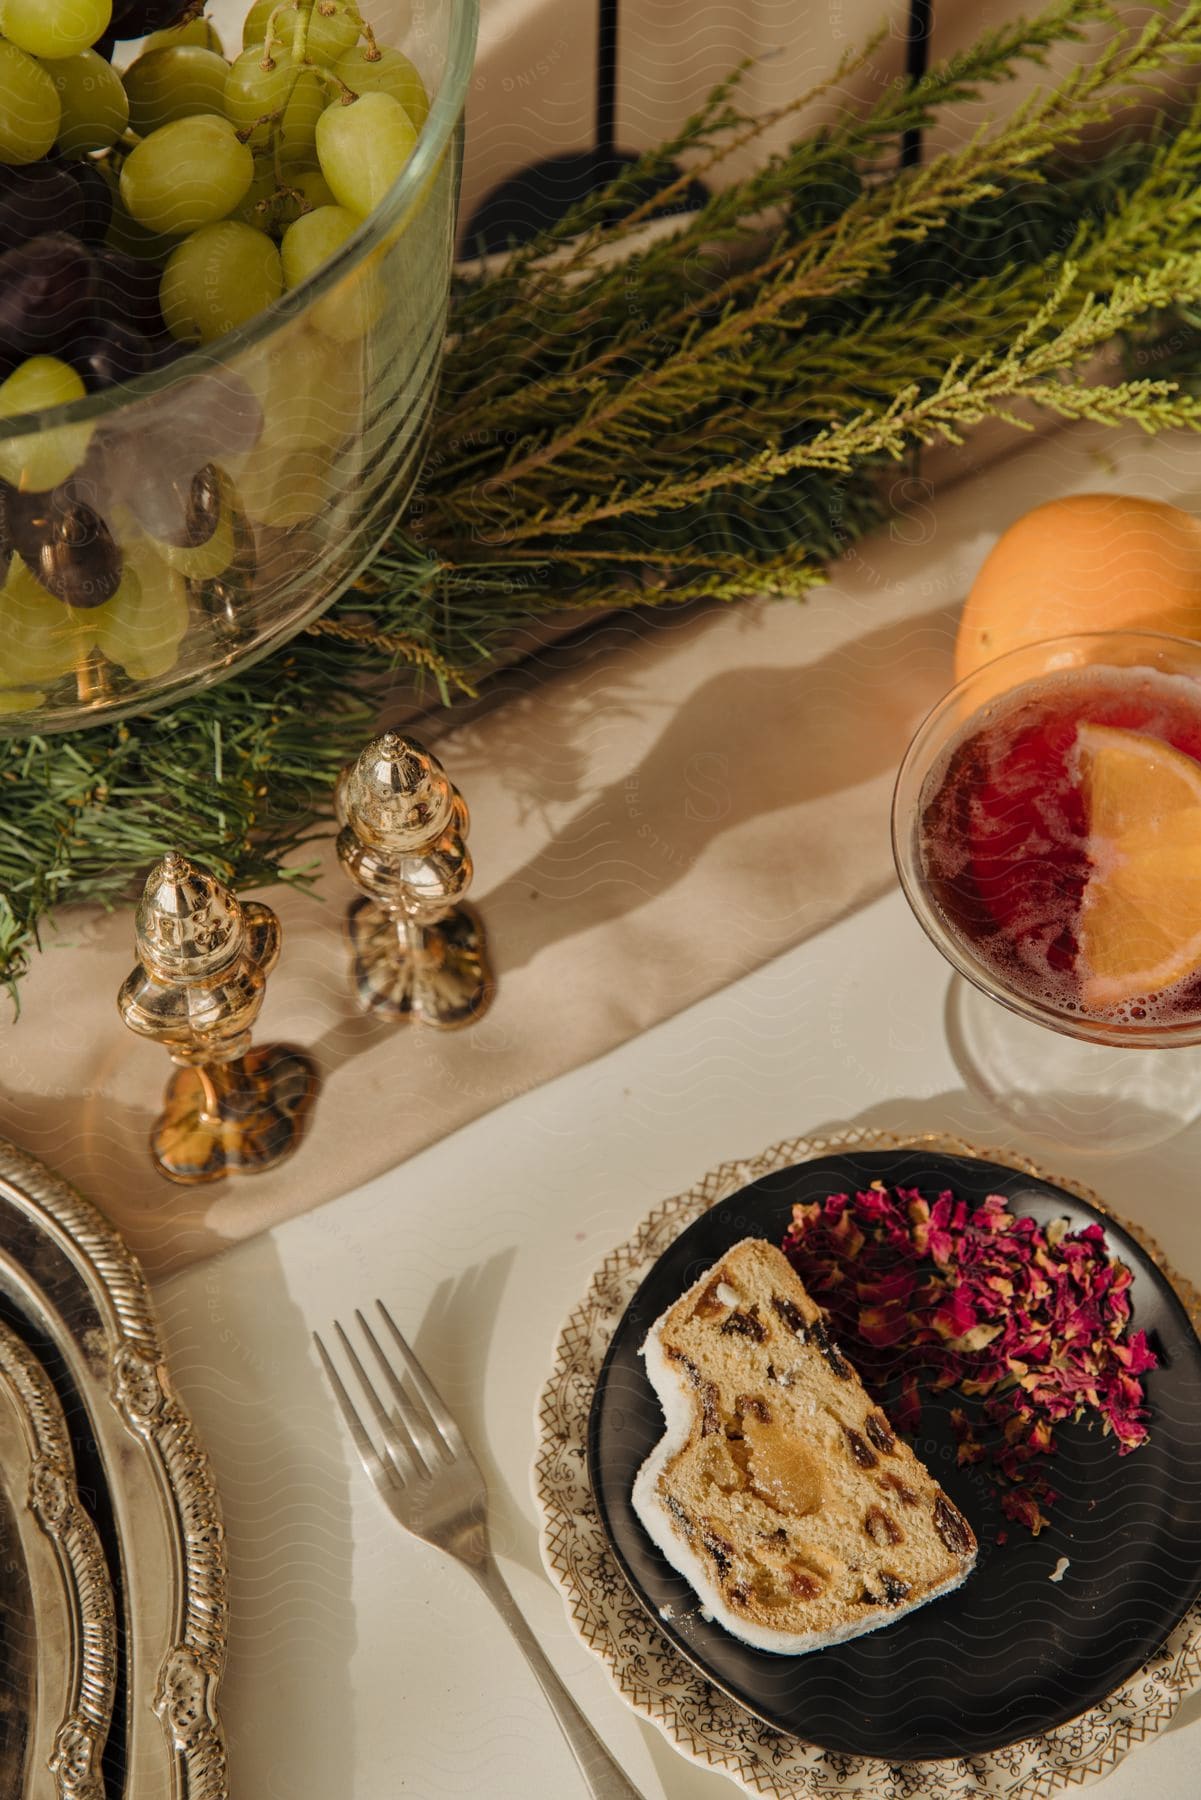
<point x="1012" y="1653"/>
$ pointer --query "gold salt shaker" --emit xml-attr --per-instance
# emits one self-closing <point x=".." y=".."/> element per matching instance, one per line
<point x="419" y="951"/>
<point x="204" y="958"/>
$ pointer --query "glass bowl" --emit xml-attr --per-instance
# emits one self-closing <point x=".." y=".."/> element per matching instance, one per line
<point x="159" y="535"/>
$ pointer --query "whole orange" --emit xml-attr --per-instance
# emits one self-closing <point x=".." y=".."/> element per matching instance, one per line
<point x="1090" y="562"/>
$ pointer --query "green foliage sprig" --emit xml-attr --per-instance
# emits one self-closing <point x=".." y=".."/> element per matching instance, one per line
<point x="696" y="406"/>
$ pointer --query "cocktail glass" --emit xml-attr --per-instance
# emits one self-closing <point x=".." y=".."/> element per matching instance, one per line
<point x="1100" y="1078"/>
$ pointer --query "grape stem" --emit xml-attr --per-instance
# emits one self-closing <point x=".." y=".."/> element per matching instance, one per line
<point x="300" y="31"/>
<point x="373" y="53"/>
<point x="270" y="40"/>
<point x="344" y="92"/>
<point x="246" y="132"/>
<point x="303" y="203"/>
<point x="299" y="57"/>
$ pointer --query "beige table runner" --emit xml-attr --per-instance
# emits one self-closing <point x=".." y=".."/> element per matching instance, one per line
<point x="655" y="812"/>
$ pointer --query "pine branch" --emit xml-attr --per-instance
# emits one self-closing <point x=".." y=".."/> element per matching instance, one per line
<point x="395" y="648"/>
<point x="857" y="244"/>
<point x="709" y="444"/>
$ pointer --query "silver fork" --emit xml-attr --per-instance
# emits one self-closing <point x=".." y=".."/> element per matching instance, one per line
<point x="431" y="1483"/>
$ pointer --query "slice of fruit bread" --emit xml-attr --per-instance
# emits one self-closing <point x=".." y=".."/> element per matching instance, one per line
<point x="779" y="1490"/>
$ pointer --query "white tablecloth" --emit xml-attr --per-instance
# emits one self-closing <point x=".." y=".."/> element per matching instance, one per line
<point x="364" y="1664"/>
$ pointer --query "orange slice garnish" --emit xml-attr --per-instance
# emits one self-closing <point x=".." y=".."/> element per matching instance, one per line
<point x="1140" y="918"/>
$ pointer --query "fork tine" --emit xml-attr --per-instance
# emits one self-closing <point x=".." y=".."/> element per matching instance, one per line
<point x="411" y="1419"/>
<point x="427" y="1393"/>
<point x="382" y="1473"/>
<point x="380" y="1411"/>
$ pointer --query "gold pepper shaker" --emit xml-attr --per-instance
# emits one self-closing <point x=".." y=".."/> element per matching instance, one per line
<point x="418" y="950"/>
<point x="204" y="959"/>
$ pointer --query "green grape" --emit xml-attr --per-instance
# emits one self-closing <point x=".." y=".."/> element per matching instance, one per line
<point x="254" y="27"/>
<point x="41" y="459"/>
<point x="351" y="308"/>
<point x="202" y="562"/>
<point x="174" y="83"/>
<point x="19" y="700"/>
<point x="274" y="201"/>
<point x="311" y="393"/>
<point x="186" y="174"/>
<point x="217" y="279"/>
<point x="271" y="93"/>
<point x="55" y="27"/>
<point x="332" y="32"/>
<point x="389" y="72"/>
<point x="40" y="638"/>
<point x="197" y="31"/>
<point x="257" y="88"/>
<point x="362" y="148"/>
<point x="288" y="488"/>
<point x="94" y="109"/>
<point x="313" y="239"/>
<point x="298" y="127"/>
<point x="141" y="627"/>
<point x="206" y="560"/>
<point x="29" y="107"/>
<point x="258" y="205"/>
<point x="315" y="188"/>
<point x="330" y="35"/>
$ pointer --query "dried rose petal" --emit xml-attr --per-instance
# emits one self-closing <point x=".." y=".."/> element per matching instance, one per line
<point x="1022" y="1507"/>
<point x="936" y="1294"/>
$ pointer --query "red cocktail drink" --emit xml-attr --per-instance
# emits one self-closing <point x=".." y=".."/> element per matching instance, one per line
<point x="1005" y="830"/>
<point x="1049" y="837"/>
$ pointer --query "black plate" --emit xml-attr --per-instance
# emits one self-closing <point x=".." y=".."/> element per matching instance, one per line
<point x="1011" y="1653"/>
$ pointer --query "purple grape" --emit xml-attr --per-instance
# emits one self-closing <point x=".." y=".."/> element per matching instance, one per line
<point x="134" y="18"/>
<point x="153" y="455"/>
<point x="178" y="509"/>
<point x="110" y="353"/>
<point x="47" y="288"/>
<point x="128" y="289"/>
<point x="95" y="199"/>
<point x="33" y="195"/>
<point x="204" y="505"/>
<point x="66" y="545"/>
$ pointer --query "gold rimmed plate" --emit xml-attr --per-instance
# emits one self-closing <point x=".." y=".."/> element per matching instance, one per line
<point x="1012" y="1653"/>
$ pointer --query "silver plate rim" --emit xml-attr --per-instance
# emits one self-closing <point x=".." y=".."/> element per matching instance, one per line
<point x="159" y="1479"/>
<point x="71" y="1561"/>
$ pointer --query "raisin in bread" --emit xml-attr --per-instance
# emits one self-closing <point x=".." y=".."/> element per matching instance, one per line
<point x="779" y="1490"/>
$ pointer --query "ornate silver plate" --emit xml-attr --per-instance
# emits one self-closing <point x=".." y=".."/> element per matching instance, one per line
<point x="71" y="1292"/>
<point x="58" y="1630"/>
